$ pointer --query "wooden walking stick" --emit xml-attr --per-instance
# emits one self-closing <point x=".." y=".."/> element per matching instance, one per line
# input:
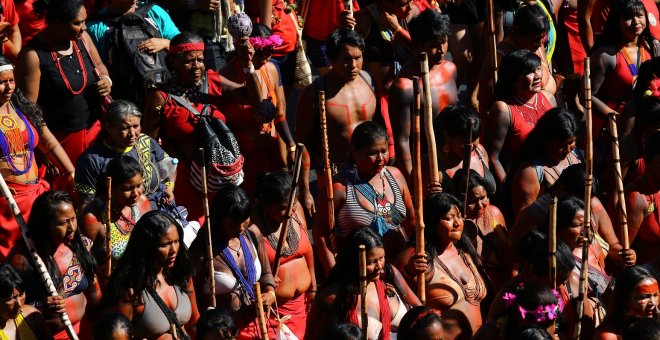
<point x="108" y="226"/>
<point x="428" y="118"/>
<point x="290" y="209"/>
<point x="467" y="157"/>
<point x="363" y="289"/>
<point x="32" y="249"/>
<point x="552" y="246"/>
<point x="621" y="201"/>
<point x="418" y="187"/>
<point x="260" y="311"/>
<point x="329" y="193"/>
<point x="493" y="44"/>
<point x="207" y="224"/>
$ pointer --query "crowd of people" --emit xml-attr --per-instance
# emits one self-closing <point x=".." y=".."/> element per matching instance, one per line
<point x="149" y="165"/>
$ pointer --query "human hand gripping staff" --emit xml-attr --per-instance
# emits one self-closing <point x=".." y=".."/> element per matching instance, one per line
<point x="41" y="267"/>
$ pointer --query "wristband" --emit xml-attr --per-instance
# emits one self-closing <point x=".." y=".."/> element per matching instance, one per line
<point x="398" y="29"/>
<point x="169" y="184"/>
<point x="108" y="78"/>
<point x="292" y="148"/>
<point x="249" y="69"/>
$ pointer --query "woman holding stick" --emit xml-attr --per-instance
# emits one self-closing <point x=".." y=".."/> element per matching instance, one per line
<point x="240" y="260"/>
<point x="388" y="294"/>
<point x="151" y="284"/>
<point x="296" y="279"/>
<point x="59" y="243"/>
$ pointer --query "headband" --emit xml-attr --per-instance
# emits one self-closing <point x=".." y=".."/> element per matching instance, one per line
<point x="7" y="67"/>
<point x="541" y="313"/>
<point x="647" y="289"/>
<point x="187" y="47"/>
<point x="260" y="43"/>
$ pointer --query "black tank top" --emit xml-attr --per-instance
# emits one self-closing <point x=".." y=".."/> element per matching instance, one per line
<point x="64" y="111"/>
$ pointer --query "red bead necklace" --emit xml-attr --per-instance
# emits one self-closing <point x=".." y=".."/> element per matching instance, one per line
<point x="56" y="59"/>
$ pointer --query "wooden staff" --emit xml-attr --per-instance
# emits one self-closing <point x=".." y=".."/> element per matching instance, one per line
<point x="552" y="246"/>
<point x="418" y="187"/>
<point x="32" y="249"/>
<point x="428" y="118"/>
<point x="207" y="224"/>
<point x="621" y="198"/>
<point x="260" y="311"/>
<point x="587" y="199"/>
<point x="326" y="166"/>
<point x="363" y="289"/>
<point x="348" y="5"/>
<point x="467" y="157"/>
<point x="293" y="193"/>
<point x="108" y="225"/>
<point x="493" y="43"/>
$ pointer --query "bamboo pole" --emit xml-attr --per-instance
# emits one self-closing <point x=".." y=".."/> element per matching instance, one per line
<point x="108" y="225"/>
<point x="621" y="198"/>
<point x="39" y="263"/>
<point x="328" y="171"/>
<point x="428" y="118"/>
<point x="290" y="209"/>
<point x="418" y="187"/>
<point x="363" y="289"/>
<point x="207" y="223"/>
<point x="260" y="311"/>
<point x="493" y="43"/>
<point x="553" y="242"/>
<point x="467" y="157"/>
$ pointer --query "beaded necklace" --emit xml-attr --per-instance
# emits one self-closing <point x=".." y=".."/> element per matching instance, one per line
<point x="56" y="59"/>
<point x="530" y="119"/>
<point x="245" y="283"/>
<point x="11" y="141"/>
<point x="631" y="66"/>
<point x="472" y="294"/>
<point x="292" y="238"/>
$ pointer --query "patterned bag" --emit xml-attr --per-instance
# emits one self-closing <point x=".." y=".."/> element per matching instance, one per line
<point x="303" y="73"/>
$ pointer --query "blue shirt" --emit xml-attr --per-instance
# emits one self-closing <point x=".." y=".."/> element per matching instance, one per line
<point x="156" y="16"/>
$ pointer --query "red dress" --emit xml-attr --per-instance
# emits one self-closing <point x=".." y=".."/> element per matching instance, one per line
<point x="648" y="236"/>
<point x="523" y="120"/>
<point x="574" y="41"/>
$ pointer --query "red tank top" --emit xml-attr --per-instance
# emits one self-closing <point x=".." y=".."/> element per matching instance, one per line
<point x="523" y="120"/>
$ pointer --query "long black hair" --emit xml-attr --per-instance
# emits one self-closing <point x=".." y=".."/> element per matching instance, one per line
<point x="622" y="9"/>
<point x="515" y="65"/>
<point x="30" y="110"/>
<point x="137" y="268"/>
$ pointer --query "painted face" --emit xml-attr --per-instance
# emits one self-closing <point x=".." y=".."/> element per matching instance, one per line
<point x="168" y="247"/>
<point x="477" y="202"/>
<point x="372" y="159"/>
<point x="572" y="234"/>
<point x="529" y="83"/>
<point x="128" y="192"/>
<point x="450" y="227"/>
<point x="633" y="25"/>
<point x="7" y="86"/>
<point x="62" y="227"/>
<point x="348" y="62"/>
<point x="125" y="133"/>
<point x="189" y="67"/>
<point x="375" y="263"/>
<point x="10" y="306"/>
<point x="75" y="28"/>
<point x="437" y="49"/>
<point x="232" y="228"/>
<point x="643" y="300"/>
<point x="557" y="150"/>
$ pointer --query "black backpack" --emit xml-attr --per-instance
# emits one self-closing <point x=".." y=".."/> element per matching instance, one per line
<point x="132" y="70"/>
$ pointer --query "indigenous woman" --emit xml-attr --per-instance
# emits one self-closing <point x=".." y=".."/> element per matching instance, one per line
<point x="388" y="294"/>
<point x="453" y="272"/>
<point x="421" y="322"/>
<point x="169" y="115"/>
<point x="547" y="151"/>
<point x="520" y="103"/>
<point x="57" y="71"/>
<point x="127" y="205"/>
<point x="370" y="195"/>
<point x="296" y="278"/>
<point x="58" y="242"/>
<point x="123" y="137"/>
<point x="152" y="285"/>
<point x="453" y="127"/>
<point x="635" y="295"/>
<point x="485" y="225"/>
<point x="22" y="130"/>
<point x="240" y="259"/>
<point x="18" y="321"/>
<point x="257" y="132"/>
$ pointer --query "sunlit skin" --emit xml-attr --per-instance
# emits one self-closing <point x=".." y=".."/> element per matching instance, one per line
<point x="643" y="300"/>
<point x="13" y="305"/>
<point x="638" y="207"/>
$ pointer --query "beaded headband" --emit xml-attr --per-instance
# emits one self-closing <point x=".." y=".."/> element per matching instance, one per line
<point x="654" y="88"/>
<point x="7" y="67"/>
<point x="187" y="47"/>
<point x="261" y="43"/>
<point x="541" y="313"/>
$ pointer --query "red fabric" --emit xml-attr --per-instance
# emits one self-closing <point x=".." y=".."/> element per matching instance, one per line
<point x="323" y="17"/>
<point x="187" y="196"/>
<point x="24" y="194"/>
<point x="385" y="112"/>
<point x="9" y="15"/>
<point x="30" y="24"/>
<point x="76" y="142"/>
<point x="648" y="237"/>
<point x="385" y="314"/>
<point x="282" y="25"/>
<point x="601" y="10"/>
<point x="520" y="128"/>
<point x="574" y="41"/>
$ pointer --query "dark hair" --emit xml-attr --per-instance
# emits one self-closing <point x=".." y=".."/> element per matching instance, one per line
<point x="555" y="124"/>
<point x="342" y="37"/>
<point x="367" y="133"/>
<point x="30" y="110"/>
<point x="42" y="214"/>
<point x="530" y="297"/>
<point x="345" y="331"/>
<point x="619" y="9"/>
<point x="532" y="333"/>
<point x="108" y="324"/>
<point x="260" y="30"/>
<point x="531" y="20"/>
<point x="218" y="322"/>
<point x="566" y="210"/>
<point x="454" y="121"/>
<point x="120" y="169"/>
<point x="273" y="187"/>
<point x="429" y="25"/>
<point x="181" y="38"/>
<point x="572" y="179"/>
<point x="626" y="281"/>
<point x="652" y="147"/>
<point x="515" y="65"/>
<point x="63" y="10"/>
<point x="119" y="110"/>
<point x="136" y="269"/>
<point x="230" y="202"/>
<point x="458" y="182"/>
<point x="415" y="320"/>
<point x="533" y="251"/>
<point x="10" y="280"/>
<point x="642" y="329"/>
